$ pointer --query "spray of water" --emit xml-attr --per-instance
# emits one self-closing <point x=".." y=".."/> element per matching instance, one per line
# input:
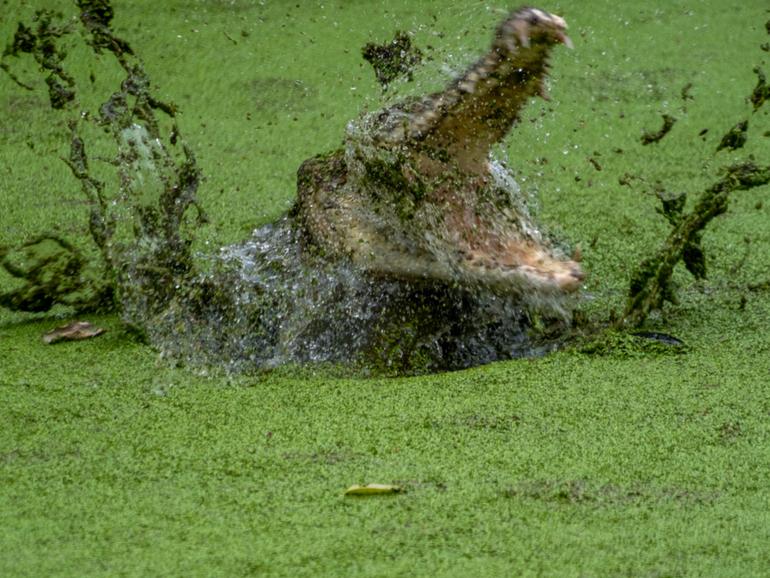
<point x="268" y="303"/>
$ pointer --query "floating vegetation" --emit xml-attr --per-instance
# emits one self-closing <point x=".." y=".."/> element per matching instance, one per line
<point x="663" y="338"/>
<point x="408" y="250"/>
<point x="53" y="272"/>
<point x="394" y="59"/>
<point x="585" y="493"/>
<point x="668" y="124"/>
<point x="652" y="284"/>
<point x="138" y="222"/>
<point x="735" y="138"/>
<point x="42" y="43"/>
<point x="630" y="344"/>
<point x="761" y="91"/>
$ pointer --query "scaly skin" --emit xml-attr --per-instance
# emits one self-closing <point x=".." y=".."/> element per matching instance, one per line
<point x="414" y="194"/>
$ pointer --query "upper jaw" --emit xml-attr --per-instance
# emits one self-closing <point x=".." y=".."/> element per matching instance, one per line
<point x="529" y="24"/>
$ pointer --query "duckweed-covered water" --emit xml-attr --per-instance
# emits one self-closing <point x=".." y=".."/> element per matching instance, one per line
<point x="621" y="462"/>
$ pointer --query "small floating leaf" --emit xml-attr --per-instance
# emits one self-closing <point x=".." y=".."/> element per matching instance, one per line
<point x="372" y="489"/>
<point x="75" y="331"/>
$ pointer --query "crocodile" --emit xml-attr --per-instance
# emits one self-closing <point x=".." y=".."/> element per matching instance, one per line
<point x="415" y="195"/>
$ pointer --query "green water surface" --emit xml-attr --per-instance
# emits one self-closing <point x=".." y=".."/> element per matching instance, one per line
<point x="633" y="461"/>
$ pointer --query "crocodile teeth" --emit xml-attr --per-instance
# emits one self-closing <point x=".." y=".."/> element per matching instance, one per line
<point x="542" y="90"/>
<point x="565" y="40"/>
<point x="521" y="30"/>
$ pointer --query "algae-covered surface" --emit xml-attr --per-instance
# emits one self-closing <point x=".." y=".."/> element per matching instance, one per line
<point x="625" y="456"/>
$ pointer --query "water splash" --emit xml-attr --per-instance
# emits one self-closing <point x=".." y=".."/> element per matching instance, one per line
<point x="267" y="302"/>
<point x="278" y="298"/>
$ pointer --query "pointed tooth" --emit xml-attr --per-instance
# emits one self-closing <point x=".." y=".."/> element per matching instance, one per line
<point x="521" y="29"/>
<point x="543" y="91"/>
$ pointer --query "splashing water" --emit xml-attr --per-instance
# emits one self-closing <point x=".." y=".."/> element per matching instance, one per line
<point x="273" y="300"/>
<point x="408" y="250"/>
<point x="269" y="303"/>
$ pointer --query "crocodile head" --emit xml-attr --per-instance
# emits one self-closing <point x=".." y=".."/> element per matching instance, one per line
<point x="528" y="26"/>
<point x="415" y="194"/>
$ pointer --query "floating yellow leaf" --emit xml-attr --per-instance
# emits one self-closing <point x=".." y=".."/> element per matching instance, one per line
<point x="372" y="489"/>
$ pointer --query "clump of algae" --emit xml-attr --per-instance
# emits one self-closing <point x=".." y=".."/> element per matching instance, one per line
<point x="652" y="284"/>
